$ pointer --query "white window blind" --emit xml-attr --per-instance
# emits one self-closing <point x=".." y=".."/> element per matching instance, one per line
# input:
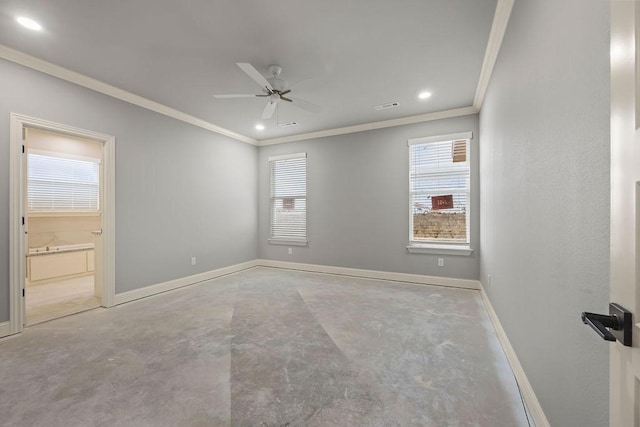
<point x="60" y="184"/>
<point x="439" y="173"/>
<point x="288" y="177"/>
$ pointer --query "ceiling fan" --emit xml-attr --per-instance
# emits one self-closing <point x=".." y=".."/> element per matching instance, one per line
<point x="274" y="88"/>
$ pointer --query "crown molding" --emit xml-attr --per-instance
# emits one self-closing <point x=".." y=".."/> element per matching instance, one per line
<point x="114" y="92"/>
<point x="496" y="35"/>
<point x="498" y="28"/>
<point x="464" y="111"/>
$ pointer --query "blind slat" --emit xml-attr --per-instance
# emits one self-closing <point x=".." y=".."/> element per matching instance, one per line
<point x="56" y="184"/>
<point x="288" y="198"/>
<point x="439" y="169"/>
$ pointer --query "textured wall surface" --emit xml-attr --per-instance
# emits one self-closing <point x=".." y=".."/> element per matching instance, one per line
<point x="181" y="191"/>
<point x="544" y="173"/>
<point x="358" y="201"/>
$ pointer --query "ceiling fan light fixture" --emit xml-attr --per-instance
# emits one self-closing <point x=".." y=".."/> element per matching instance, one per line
<point x="259" y="126"/>
<point x="29" y="23"/>
<point x="424" y="95"/>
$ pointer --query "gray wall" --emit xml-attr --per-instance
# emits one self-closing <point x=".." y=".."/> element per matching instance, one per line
<point x="181" y="191"/>
<point x="544" y="174"/>
<point x="358" y="201"/>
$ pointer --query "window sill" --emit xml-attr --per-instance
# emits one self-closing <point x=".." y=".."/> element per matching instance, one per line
<point x="288" y="242"/>
<point x="440" y="249"/>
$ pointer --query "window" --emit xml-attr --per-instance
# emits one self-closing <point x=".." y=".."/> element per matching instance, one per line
<point x="439" y="185"/>
<point x="62" y="184"/>
<point x="288" y="178"/>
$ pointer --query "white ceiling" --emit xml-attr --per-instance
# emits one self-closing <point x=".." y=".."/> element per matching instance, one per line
<point x="346" y="55"/>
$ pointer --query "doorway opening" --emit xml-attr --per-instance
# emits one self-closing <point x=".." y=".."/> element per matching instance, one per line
<point x="62" y="221"/>
<point x="63" y="224"/>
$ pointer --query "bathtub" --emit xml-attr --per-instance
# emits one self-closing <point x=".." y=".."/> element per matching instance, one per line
<point x="44" y="250"/>
<point x="52" y="263"/>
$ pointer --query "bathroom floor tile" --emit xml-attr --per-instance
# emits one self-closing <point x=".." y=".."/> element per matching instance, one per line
<point x="47" y="301"/>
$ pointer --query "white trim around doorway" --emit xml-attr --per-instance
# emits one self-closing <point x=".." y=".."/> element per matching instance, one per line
<point x="16" y="196"/>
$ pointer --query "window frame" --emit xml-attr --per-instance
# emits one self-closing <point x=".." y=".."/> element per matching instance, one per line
<point x="289" y="241"/>
<point x="434" y="247"/>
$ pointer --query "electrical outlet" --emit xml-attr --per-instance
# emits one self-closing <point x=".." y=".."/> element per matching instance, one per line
<point x="440" y="262"/>
<point x="290" y="251"/>
<point x="193" y="260"/>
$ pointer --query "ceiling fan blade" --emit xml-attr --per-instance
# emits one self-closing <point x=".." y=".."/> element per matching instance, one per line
<point x="255" y="75"/>
<point x="285" y="92"/>
<point x="284" y="98"/>
<point x="269" y="109"/>
<point x="235" y="95"/>
<point x="305" y="105"/>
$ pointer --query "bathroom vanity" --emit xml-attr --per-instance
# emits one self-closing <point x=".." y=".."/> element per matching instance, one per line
<point x="59" y="262"/>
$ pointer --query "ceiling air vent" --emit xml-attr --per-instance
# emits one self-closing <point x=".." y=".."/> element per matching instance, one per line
<point x="387" y="105"/>
<point x="288" y="124"/>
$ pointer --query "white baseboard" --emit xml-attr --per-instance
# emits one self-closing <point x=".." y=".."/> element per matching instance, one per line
<point x="5" y="329"/>
<point x="529" y="396"/>
<point x="373" y="274"/>
<point x="179" y="283"/>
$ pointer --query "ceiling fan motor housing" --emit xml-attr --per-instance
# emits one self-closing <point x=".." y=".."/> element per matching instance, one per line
<point x="275" y="70"/>
<point x="277" y="83"/>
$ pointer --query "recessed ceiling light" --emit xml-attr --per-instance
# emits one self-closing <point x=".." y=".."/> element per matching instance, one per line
<point x="260" y="126"/>
<point x="29" y="23"/>
<point x="424" y="95"/>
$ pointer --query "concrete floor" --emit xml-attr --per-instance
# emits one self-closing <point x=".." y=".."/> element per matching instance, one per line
<point x="47" y="301"/>
<point x="266" y="347"/>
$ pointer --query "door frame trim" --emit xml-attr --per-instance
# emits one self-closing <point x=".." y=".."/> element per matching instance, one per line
<point x="17" y="261"/>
